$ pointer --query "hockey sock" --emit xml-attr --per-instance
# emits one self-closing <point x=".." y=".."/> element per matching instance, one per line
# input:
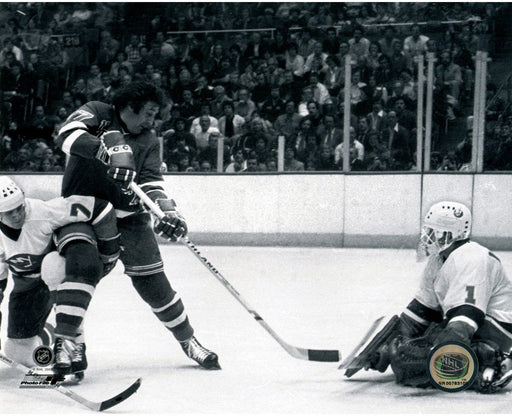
<point x="83" y="270"/>
<point x="165" y="303"/>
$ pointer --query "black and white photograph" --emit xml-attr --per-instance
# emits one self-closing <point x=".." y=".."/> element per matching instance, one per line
<point x="183" y="230"/>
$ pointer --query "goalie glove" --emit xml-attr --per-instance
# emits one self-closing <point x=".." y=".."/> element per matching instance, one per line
<point x="119" y="155"/>
<point x="172" y="226"/>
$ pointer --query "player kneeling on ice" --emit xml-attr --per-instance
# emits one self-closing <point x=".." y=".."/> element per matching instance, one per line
<point x="464" y="296"/>
<point x="42" y="277"/>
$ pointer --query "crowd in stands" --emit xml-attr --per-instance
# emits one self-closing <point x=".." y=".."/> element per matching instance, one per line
<point x="245" y="86"/>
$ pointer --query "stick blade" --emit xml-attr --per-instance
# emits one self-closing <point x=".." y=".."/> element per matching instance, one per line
<point x="326" y="356"/>
<point x="121" y="397"/>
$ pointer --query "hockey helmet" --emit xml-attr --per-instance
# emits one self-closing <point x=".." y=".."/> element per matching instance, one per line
<point x="445" y="223"/>
<point x="11" y="196"/>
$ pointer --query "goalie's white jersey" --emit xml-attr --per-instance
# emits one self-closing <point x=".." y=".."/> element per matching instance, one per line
<point x="25" y="254"/>
<point x="471" y="275"/>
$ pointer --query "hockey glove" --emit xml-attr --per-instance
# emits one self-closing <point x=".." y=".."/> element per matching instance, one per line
<point x="455" y="331"/>
<point x="172" y="226"/>
<point x="120" y="158"/>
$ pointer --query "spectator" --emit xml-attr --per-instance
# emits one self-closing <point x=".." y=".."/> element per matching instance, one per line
<point x="329" y="135"/>
<point x="405" y="117"/>
<point x="449" y="74"/>
<point x="203" y="92"/>
<point x="255" y="49"/>
<point x="290" y="89"/>
<point x="202" y="135"/>
<point x="359" y="94"/>
<point x="314" y="114"/>
<point x="309" y="150"/>
<point x="119" y="67"/>
<point x="290" y="161"/>
<point x="132" y="50"/>
<point x="60" y="118"/>
<point x="388" y="41"/>
<point x="248" y="77"/>
<point x="40" y="125"/>
<point x="307" y="97"/>
<point x="9" y="46"/>
<point x="320" y="92"/>
<point x="354" y="144"/>
<point x="210" y="152"/>
<point x="178" y="141"/>
<point x="107" y="50"/>
<point x="315" y="62"/>
<point x="306" y="43"/>
<point x="293" y="61"/>
<point x="219" y="98"/>
<point x="106" y="92"/>
<point x="16" y="89"/>
<point x="415" y="44"/>
<point x="324" y="159"/>
<point x="230" y="124"/>
<point x="261" y="89"/>
<point x="189" y="107"/>
<point x="245" y="107"/>
<point x="397" y="139"/>
<point x="359" y="45"/>
<point x="247" y="141"/>
<point x="333" y="75"/>
<point x="274" y="106"/>
<point x="331" y="43"/>
<point x="238" y="164"/>
<point x="409" y="86"/>
<point x="94" y="82"/>
<point x="287" y="124"/>
<point x="251" y="163"/>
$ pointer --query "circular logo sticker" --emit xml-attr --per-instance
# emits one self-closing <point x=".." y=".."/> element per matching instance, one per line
<point x="43" y="355"/>
<point x="452" y="366"/>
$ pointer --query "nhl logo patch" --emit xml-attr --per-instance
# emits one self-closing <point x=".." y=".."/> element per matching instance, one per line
<point x="452" y="366"/>
<point x="43" y="355"/>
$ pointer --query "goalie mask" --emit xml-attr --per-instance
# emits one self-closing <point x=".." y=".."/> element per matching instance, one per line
<point x="445" y="223"/>
<point x="11" y="196"/>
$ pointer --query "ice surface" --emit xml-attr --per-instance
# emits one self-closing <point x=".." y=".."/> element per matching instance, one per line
<point x="313" y="298"/>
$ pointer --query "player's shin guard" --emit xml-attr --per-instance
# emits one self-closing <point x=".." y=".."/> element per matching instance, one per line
<point x="165" y="303"/>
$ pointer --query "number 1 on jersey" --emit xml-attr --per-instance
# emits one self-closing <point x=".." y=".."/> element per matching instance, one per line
<point x="470" y="298"/>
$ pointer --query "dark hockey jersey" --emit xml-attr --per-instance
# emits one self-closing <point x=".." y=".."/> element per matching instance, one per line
<point x="85" y="174"/>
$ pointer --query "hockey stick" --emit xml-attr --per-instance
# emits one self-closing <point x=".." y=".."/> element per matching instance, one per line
<point x="96" y="406"/>
<point x="297" y="352"/>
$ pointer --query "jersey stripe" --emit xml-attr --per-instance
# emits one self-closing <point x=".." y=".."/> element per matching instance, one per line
<point x="68" y="142"/>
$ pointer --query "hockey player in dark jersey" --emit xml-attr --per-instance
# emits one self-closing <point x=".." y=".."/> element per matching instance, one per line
<point x="108" y="147"/>
<point x="26" y="232"/>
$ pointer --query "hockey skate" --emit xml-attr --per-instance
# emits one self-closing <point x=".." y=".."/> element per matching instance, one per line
<point x="70" y="361"/>
<point x="205" y="358"/>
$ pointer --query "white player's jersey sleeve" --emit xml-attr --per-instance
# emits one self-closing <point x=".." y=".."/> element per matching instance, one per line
<point x="426" y="294"/>
<point x="61" y="211"/>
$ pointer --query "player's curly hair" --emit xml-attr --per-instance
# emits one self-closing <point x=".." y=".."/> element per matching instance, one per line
<point x="136" y="94"/>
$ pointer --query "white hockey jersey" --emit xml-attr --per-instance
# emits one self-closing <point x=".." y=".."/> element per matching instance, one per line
<point x="23" y="256"/>
<point x="471" y="275"/>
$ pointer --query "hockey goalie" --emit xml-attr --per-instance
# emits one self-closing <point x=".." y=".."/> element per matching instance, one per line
<point x="464" y="296"/>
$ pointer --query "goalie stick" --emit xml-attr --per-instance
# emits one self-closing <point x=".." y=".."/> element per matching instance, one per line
<point x="347" y="361"/>
<point x="296" y="352"/>
<point x="96" y="406"/>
